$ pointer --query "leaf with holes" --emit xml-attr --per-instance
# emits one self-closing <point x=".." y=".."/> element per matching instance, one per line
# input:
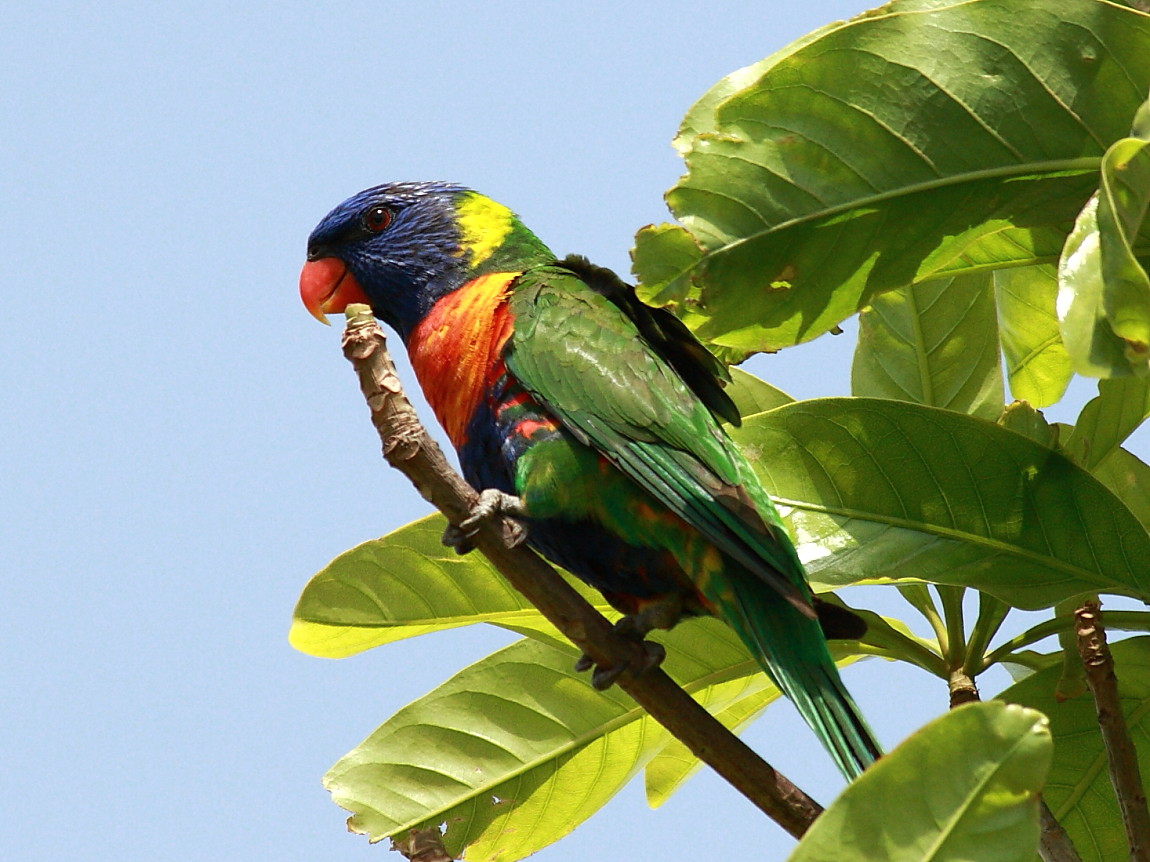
<point x="516" y="750"/>
<point x="870" y="157"/>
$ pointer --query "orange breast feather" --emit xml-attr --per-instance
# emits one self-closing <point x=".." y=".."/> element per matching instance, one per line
<point x="455" y="349"/>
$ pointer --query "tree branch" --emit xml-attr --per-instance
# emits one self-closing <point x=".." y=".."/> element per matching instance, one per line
<point x="1123" y="758"/>
<point x="408" y="448"/>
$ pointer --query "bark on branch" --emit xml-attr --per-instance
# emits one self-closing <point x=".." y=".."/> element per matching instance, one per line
<point x="1120" y="752"/>
<point x="408" y="448"/>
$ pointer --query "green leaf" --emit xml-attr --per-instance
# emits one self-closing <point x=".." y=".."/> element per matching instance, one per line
<point x="933" y="344"/>
<point x="966" y="786"/>
<point x="1037" y="364"/>
<point x="511" y="753"/>
<point x="892" y="150"/>
<point x="1129" y="478"/>
<point x="662" y="259"/>
<point x="882" y="490"/>
<point x="1078" y="788"/>
<point x="516" y="750"/>
<point x="753" y="395"/>
<point x="1023" y="419"/>
<point x="406" y="584"/>
<point x="1104" y="292"/>
<point x="1108" y="419"/>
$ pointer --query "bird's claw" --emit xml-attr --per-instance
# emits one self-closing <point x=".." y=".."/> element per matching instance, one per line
<point x="602" y="678"/>
<point x="489" y="504"/>
<point x="633" y="628"/>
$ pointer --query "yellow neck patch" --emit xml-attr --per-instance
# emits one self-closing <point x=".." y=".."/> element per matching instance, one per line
<point x="483" y="225"/>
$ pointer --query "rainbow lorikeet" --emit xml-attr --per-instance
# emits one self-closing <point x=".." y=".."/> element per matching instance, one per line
<point x="594" y="420"/>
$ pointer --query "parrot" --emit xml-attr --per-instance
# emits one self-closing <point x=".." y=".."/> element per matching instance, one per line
<point x="596" y="422"/>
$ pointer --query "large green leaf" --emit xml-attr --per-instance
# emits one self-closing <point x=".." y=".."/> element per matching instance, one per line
<point x="933" y="344"/>
<point x="893" y="150"/>
<point x="511" y="753"/>
<point x="516" y="750"/>
<point x="881" y="490"/>
<point x="1104" y="291"/>
<point x="1078" y="788"/>
<point x="966" y="786"/>
<point x="406" y="584"/>
<point x="1037" y="364"/>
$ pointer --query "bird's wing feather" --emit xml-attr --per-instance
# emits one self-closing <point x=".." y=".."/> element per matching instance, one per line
<point x="580" y="355"/>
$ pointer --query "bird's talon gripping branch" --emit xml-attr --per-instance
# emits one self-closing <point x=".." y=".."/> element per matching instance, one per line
<point x="634" y="627"/>
<point x="605" y="677"/>
<point x="489" y="504"/>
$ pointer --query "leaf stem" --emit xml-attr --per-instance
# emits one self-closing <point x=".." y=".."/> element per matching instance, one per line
<point x="1127" y="621"/>
<point x="918" y="597"/>
<point x="951" y="597"/>
<point x="991" y="614"/>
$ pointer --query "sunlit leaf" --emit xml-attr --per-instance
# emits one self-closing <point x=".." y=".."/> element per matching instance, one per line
<point x="1037" y="365"/>
<point x="406" y="584"/>
<point x="753" y="395"/>
<point x="518" y="749"/>
<point x="966" y="786"/>
<point x="933" y="344"/>
<point x="1104" y="290"/>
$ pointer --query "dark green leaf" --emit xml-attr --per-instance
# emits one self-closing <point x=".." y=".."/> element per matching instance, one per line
<point x="893" y="150"/>
<point x="882" y="490"/>
<point x="1108" y="419"/>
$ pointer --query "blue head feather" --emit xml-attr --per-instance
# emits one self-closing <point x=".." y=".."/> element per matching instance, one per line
<point x="425" y="252"/>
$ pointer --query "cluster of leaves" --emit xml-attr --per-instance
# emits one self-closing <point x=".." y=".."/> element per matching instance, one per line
<point x="962" y="175"/>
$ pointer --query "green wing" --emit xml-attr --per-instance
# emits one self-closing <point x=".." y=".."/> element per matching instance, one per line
<point x="579" y="353"/>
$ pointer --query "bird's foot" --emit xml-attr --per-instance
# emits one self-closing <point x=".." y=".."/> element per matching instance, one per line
<point x="489" y="504"/>
<point x="632" y="627"/>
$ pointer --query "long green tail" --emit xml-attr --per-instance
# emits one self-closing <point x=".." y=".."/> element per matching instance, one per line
<point x="792" y="650"/>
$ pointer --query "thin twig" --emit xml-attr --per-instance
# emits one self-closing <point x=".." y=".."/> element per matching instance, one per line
<point x="408" y="448"/>
<point x="1120" y="752"/>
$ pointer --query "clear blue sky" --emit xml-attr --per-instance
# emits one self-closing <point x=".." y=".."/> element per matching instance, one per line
<point x="183" y="446"/>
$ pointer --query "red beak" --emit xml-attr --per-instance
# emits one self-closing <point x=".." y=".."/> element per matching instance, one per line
<point x="326" y="287"/>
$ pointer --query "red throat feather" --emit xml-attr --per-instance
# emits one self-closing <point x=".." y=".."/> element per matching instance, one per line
<point x="455" y="350"/>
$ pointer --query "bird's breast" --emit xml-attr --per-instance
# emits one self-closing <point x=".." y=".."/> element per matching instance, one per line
<point x="456" y="350"/>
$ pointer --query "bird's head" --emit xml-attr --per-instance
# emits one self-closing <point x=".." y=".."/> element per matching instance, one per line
<point x="401" y="246"/>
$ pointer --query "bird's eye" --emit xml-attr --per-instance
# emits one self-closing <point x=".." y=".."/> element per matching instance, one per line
<point x="377" y="219"/>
